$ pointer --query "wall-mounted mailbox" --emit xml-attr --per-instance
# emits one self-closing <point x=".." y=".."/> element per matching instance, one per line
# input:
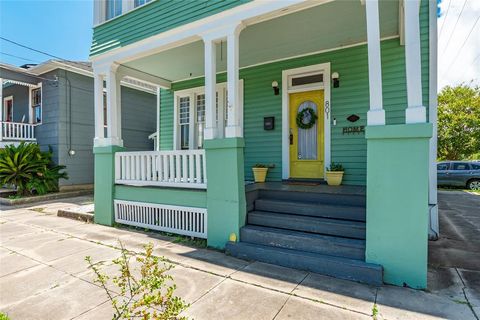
<point x="268" y="123"/>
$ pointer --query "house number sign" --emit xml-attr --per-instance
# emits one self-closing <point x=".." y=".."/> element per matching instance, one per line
<point x="354" y="130"/>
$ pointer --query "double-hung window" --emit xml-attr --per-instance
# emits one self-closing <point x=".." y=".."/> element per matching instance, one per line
<point x="184" y="122"/>
<point x="36" y="105"/>
<point x="138" y="3"/>
<point x="113" y="8"/>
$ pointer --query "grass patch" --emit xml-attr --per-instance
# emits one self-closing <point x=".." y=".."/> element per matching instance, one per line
<point x="190" y="241"/>
<point x="40" y="210"/>
<point x="174" y="238"/>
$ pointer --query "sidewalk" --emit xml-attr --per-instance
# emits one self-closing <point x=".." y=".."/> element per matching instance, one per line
<point x="43" y="275"/>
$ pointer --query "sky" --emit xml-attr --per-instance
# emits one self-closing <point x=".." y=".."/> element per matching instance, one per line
<point x="64" y="28"/>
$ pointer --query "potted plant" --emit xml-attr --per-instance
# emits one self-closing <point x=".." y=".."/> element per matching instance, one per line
<point x="334" y="174"/>
<point x="260" y="172"/>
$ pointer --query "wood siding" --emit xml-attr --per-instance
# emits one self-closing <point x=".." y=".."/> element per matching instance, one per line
<point x="154" y="18"/>
<point x="352" y="97"/>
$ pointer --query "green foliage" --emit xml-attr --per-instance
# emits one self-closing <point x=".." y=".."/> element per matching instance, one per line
<point x="335" y="167"/>
<point x="146" y="296"/>
<point x="3" y="316"/>
<point x="29" y="169"/>
<point x="458" y="122"/>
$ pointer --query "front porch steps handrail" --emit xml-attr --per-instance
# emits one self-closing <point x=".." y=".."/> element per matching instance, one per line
<point x="17" y="131"/>
<point x="178" y="168"/>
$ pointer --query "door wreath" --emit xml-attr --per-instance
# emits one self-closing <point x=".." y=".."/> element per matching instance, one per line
<point x="306" y="114"/>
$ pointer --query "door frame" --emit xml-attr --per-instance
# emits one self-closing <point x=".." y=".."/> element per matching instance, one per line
<point x="4" y="115"/>
<point x="327" y="109"/>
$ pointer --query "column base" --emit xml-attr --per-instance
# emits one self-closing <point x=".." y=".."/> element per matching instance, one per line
<point x="226" y="204"/>
<point x="233" y="132"/>
<point x="397" y="201"/>
<point x="415" y="115"/>
<point x="105" y="184"/>
<point x="105" y="142"/>
<point x="376" y="117"/>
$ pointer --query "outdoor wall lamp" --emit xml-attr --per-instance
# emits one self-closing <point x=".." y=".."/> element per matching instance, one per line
<point x="336" y="79"/>
<point x="276" y="90"/>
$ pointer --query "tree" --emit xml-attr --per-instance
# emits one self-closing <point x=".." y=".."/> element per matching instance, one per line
<point x="459" y="122"/>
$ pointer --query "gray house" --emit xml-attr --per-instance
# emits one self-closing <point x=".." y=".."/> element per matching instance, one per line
<point x="52" y="104"/>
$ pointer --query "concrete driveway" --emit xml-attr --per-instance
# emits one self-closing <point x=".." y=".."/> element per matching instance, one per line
<point x="43" y="276"/>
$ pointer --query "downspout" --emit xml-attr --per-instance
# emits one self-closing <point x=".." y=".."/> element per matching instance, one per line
<point x="433" y="231"/>
<point x="68" y="93"/>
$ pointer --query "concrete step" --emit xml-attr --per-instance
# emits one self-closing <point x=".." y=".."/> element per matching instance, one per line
<point x="301" y="241"/>
<point x="344" y="268"/>
<point x="315" y="209"/>
<point x="334" y="227"/>
<point x="333" y="198"/>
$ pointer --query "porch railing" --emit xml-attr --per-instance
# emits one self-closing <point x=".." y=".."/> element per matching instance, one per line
<point x="17" y="131"/>
<point x="180" y="168"/>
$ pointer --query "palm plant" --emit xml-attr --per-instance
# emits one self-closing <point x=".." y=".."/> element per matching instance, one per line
<point x="29" y="169"/>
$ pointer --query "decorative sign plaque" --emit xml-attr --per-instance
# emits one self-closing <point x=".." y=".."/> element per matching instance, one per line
<point x="353" y="118"/>
<point x="354" y="130"/>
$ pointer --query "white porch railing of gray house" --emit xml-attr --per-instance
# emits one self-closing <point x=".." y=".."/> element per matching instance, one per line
<point x="179" y="168"/>
<point x="16" y="131"/>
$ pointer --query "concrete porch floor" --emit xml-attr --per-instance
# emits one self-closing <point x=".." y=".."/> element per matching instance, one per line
<point x="43" y="275"/>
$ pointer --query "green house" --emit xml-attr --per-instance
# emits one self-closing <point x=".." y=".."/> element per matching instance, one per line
<point x="293" y="85"/>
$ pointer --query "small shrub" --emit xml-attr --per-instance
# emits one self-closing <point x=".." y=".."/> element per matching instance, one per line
<point x="3" y="316"/>
<point x="29" y="169"/>
<point x="147" y="296"/>
<point x="335" y="167"/>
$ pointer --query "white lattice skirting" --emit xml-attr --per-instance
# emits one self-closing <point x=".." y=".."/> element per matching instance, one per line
<point x="187" y="221"/>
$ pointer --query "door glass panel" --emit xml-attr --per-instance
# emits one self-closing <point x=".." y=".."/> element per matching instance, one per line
<point x="307" y="138"/>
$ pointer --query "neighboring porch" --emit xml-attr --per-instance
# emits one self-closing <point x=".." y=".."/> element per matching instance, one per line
<point x="19" y="119"/>
<point x="215" y="91"/>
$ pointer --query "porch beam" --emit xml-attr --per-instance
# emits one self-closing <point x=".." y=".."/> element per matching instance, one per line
<point x="234" y="112"/>
<point x="376" y="114"/>
<point x="416" y="112"/>
<point x="124" y="71"/>
<point x="211" y="131"/>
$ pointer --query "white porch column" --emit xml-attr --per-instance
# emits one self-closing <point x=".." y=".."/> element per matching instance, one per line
<point x="98" y="107"/>
<point x="234" y="108"/>
<point x="114" y="118"/>
<point x="210" y="90"/>
<point x="157" y="137"/>
<point x="416" y="112"/>
<point x="376" y="114"/>
<point x="1" y="109"/>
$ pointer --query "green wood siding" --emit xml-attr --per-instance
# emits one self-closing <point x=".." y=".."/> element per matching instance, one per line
<point x="152" y="19"/>
<point x="352" y="97"/>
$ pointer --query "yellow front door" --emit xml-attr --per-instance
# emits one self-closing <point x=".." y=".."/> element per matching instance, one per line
<point x="306" y="144"/>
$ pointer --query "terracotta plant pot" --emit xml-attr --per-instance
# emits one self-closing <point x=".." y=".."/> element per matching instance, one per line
<point x="260" y="174"/>
<point x="334" y="178"/>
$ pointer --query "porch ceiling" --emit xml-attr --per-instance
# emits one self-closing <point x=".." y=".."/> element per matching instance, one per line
<point x="331" y="25"/>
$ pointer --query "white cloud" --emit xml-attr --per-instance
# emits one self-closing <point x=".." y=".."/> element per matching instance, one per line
<point x="457" y="64"/>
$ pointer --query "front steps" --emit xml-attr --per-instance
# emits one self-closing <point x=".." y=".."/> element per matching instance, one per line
<point x="314" y="231"/>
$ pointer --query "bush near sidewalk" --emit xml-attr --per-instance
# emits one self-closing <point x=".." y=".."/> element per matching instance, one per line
<point x="144" y="296"/>
<point x="29" y="170"/>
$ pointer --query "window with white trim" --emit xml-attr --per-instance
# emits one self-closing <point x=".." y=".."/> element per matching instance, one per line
<point x="191" y="115"/>
<point x="36" y="105"/>
<point x="184" y="122"/>
<point x="113" y="8"/>
<point x="138" y="3"/>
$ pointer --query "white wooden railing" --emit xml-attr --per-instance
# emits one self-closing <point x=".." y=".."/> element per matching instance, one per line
<point x="179" y="168"/>
<point x="17" y="131"/>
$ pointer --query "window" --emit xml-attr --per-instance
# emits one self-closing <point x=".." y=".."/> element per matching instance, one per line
<point x="461" y="166"/>
<point x="37" y="105"/>
<point x="200" y="105"/>
<point x="184" y="122"/>
<point x="113" y="8"/>
<point x="138" y="3"/>
<point x="442" y="166"/>
<point x="475" y="166"/>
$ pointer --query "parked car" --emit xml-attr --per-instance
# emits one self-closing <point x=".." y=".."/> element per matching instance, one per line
<point x="459" y="174"/>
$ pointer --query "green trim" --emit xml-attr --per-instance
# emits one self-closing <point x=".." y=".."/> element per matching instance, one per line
<point x="400" y="131"/>
<point x="104" y="184"/>
<point x="169" y="196"/>
<point x="397" y="202"/>
<point x="225" y="143"/>
<point x="107" y="149"/>
<point x="226" y="203"/>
